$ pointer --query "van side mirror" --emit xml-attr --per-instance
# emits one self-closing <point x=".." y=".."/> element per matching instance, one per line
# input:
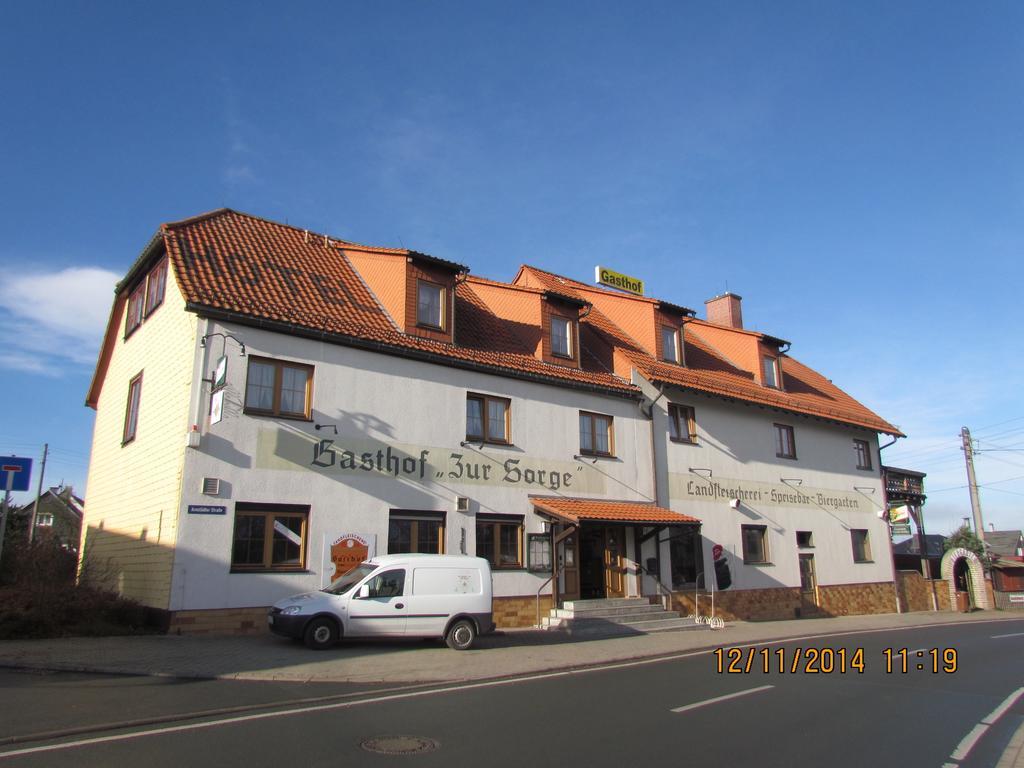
<point x="364" y="592"/>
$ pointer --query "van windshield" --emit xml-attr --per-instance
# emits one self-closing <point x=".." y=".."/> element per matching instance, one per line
<point x="350" y="579"/>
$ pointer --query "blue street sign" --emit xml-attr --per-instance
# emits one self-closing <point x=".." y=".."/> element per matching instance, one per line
<point x="14" y="473"/>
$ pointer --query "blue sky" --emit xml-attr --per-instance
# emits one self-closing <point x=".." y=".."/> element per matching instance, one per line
<point x="853" y="170"/>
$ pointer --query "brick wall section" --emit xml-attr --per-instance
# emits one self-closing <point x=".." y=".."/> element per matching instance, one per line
<point x="226" y="621"/>
<point x="785" y="602"/>
<point x="517" y="612"/>
<point x="743" y="605"/>
<point x="917" y="592"/>
<point x="858" y="599"/>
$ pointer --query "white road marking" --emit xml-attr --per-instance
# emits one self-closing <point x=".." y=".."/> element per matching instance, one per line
<point x="1015" y="634"/>
<point x="471" y="686"/>
<point x="717" y="699"/>
<point x="968" y="742"/>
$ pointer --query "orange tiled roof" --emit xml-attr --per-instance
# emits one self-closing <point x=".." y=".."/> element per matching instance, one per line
<point x="576" y="510"/>
<point x="708" y="370"/>
<point x="250" y="267"/>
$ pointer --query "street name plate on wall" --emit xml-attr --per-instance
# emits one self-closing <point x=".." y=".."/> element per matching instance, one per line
<point x="206" y="509"/>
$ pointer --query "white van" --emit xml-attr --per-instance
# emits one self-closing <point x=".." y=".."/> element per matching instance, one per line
<point x="443" y="596"/>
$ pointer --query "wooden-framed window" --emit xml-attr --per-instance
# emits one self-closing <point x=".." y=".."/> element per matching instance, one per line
<point x="269" y="537"/>
<point x="429" y="304"/>
<point x="539" y="553"/>
<point x="861" y="545"/>
<point x="499" y="540"/>
<point x="561" y="337"/>
<point x="770" y="366"/>
<point x="682" y="424"/>
<point x="411" y="530"/>
<point x="755" y="544"/>
<point x="136" y="306"/>
<point x="488" y="418"/>
<point x="155" y="286"/>
<point x="863" y="452"/>
<point x="131" y="412"/>
<point x="785" y="442"/>
<point x="596" y="435"/>
<point x="670" y="344"/>
<point x="145" y="297"/>
<point x="278" y="388"/>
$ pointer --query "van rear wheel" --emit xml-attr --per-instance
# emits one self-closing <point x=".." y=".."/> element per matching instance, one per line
<point x="461" y="635"/>
<point x="320" y="634"/>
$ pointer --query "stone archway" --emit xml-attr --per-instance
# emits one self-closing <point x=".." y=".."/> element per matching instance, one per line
<point x="979" y="594"/>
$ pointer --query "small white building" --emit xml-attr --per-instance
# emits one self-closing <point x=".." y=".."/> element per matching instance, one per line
<point x="273" y="403"/>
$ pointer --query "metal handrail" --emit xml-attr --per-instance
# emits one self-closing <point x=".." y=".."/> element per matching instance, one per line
<point x="666" y="598"/>
<point x="547" y="581"/>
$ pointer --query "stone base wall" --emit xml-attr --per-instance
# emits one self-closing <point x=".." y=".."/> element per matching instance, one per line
<point x="509" y="612"/>
<point x="858" y="599"/>
<point x="517" y="612"/>
<point x="784" y="603"/>
<point x="920" y="594"/>
<point x="222" y="621"/>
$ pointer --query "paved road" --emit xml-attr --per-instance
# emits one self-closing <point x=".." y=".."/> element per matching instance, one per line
<point x="619" y="714"/>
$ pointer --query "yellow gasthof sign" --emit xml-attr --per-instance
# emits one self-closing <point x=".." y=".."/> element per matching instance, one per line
<point x="605" y="276"/>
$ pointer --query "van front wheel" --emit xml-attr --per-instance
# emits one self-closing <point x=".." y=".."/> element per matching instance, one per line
<point x="320" y="634"/>
<point x="461" y="635"/>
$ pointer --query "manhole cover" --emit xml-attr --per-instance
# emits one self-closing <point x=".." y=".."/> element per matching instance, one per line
<point x="399" y="745"/>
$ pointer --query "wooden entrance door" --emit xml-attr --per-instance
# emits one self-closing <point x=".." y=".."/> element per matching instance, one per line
<point x="614" y="561"/>
<point x="808" y="586"/>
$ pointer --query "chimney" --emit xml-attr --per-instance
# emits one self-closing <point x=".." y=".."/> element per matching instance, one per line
<point x="725" y="310"/>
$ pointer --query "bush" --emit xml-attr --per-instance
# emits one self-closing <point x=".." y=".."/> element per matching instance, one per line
<point x="39" y="598"/>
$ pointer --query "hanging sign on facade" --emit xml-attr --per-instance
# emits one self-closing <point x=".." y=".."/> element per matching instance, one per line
<point x="345" y="552"/>
<point x="220" y="373"/>
<point x="217" y="406"/>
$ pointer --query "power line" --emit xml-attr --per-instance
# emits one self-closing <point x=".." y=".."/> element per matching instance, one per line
<point x="1000" y="423"/>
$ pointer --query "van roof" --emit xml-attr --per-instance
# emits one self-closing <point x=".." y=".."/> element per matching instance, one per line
<point x="421" y="558"/>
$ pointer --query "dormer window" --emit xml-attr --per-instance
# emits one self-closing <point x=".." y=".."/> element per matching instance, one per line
<point x="561" y="337"/>
<point x="670" y="345"/>
<point x="429" y="304"/>
<point x="770" y="366"/>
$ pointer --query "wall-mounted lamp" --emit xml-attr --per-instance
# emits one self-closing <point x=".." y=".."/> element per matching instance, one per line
<point x="225" y="337"/>
<point x="580" y="457"/>
<point x="318" y="427"/>
<point x="791" y="480"/>
<point x="734" y="503"/>
<point x="469" y="443"/>
<point x="194" y="437"/>
<point x="864" y="488"/>
<point x="701" y="471"/>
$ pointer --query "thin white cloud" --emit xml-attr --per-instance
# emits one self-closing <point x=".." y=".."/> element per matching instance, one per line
<point x="55" y="320"/>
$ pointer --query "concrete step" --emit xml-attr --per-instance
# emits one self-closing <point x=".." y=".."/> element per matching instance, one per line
<point x="605" y="602"/>
<point x="623" y="610"/>
<point x="597" y="628"/>
<point x="616" y="616"/>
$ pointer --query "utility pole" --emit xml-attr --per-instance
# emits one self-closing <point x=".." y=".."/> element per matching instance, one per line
<point x="972" y="484"/>
<point x="39" y="493"/>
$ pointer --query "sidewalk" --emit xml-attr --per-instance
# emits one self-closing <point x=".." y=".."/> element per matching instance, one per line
<point x="508" y="653"/>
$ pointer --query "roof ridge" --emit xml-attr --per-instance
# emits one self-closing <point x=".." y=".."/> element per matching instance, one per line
<point x="200" y="217"/>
